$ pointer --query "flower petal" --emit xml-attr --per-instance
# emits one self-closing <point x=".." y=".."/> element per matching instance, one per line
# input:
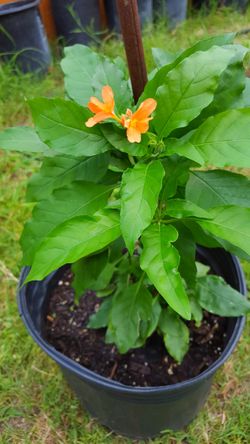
<point x="145" y="109"/>
<point x="107" y="94"/>
<point x="142" y="125"/>
<point x="99" y="117"/>
<point x="133" y="135"/>
<point x="95" y="105"/>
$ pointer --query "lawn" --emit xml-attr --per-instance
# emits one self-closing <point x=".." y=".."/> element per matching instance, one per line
<point x="36" y="406"/>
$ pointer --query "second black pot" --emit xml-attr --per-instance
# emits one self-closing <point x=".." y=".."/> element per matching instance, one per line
<point x="22" y="36"/>
<point x="136" y="412"/>
<point x="77" y="21"/>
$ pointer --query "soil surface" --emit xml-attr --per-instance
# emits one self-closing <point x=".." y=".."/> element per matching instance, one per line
<point x="151" y="365"/>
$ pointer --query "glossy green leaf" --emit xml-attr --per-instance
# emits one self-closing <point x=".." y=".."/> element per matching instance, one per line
<point x="100" y="319"/>
<point x="215" y="296"/>
<point x="140" y="190"/>
<point x="162" y="57"/>
<point x="202" y="269"/>
<point x="244" y="99"/>
<point x="196" y="311"/>
<point x="175" y="334"/>
<point x="216" y="188"/>
<point x="230" y="223"/>
<point x="108" y="73"/>
<point x="231" y="84"/>
<point x="222" y="140"/>
<point x="86" y="272"/>
<point x="176" y="174"/>
<point x="61" y="125"/>
<point x="75" y="238"/>
<point x="203" y="45"/>
<point x="118" y="139"/>
<point x="22" y="139"/>
<point x="77" y="199"/>
<point x="59" y="171"/>
<point x="78" y="65"/>
<point x="207" y="239"/>
<point x="147" y="328"/>
<point x="180" y="208"/>
<point x="160" y="260"/>
<point x="186" y="247"/>
<point x="130" y="307"/>
<point x="230" y="87"/>
<point x="188" y="89"/>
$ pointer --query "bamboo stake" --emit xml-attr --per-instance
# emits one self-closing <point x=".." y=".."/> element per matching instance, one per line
<point x="131" y="32"/>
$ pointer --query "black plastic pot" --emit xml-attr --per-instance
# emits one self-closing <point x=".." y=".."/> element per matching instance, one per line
<point x="175" y="11"/>
<point x="77" y="21"/>
<point x="22" y="36"/>
<point x="145" y="8"/>
<point x="136" y="412"/>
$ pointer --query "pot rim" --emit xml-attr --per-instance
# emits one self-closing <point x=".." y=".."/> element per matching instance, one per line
<point x="17" y="6"/>
<point x="96" y="379"/>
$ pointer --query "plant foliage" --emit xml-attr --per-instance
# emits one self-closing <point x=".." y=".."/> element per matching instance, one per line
<point x="128" y="216"/>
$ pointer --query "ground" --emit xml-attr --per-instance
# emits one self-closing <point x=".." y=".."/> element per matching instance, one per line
<point x="36" y="406"/>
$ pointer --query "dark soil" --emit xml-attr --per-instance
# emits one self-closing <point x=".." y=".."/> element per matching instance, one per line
<point x="151" y="365"/>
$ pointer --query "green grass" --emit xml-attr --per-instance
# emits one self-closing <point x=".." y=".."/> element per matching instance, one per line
<point x="36" y="406"/>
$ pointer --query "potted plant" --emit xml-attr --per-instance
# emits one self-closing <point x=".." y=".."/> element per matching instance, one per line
<point x="125" y="205"/>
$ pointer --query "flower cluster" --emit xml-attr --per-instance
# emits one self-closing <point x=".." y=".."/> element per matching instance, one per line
<point x="136" y="123"/>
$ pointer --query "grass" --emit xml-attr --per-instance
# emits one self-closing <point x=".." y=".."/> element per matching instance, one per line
<point x="36" y="406"/>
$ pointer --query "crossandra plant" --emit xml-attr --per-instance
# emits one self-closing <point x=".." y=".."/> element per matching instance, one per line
<point x="125" y="195"/>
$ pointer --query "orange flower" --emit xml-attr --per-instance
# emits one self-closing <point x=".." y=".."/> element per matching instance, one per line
<point x="102" y="110"/>
<point x="138" y="123"/>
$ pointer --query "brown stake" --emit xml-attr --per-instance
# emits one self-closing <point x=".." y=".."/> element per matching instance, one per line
<point x="103" y="15"/>
<point x="131" y="32"/>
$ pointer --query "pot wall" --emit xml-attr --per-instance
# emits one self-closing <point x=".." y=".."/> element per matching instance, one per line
<point x="139" y="416"/>
<point x="136" y="412"/>
<point x="77" y="21"/>
<point x="23" y="39"/>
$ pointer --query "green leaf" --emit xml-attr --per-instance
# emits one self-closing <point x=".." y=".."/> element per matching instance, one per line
<point x="222" y="140"/>
<point x="75" y="238"/>
<point x="215" y="296"/>
<point x="78" y="65"/>
<point x="201" y="237"/>
<point x="196" y="311"/>
<point x="22" y="139"/>
<point x="176" y="174"/>
<point x="147" y="328"/>
<point x="215" y="188"/>
<point x="77" y="199"/>
<point x="108" y="73"/>
<point x="101" y="318"/>
<point x="59" y="171"/>
<point x="231" y="84"/>
<point x="206" y="239"/>
<point x="140" y="190"/>
<point x="188" y="89"/>
<point x="244" y="99"/>
<point x="186" y="247"/>
<point x="162" y="57"/>
<point x="202" y="45"/>
<point x="180" y="208"/>
<point x="202" y="270"/>
<point x="160" y="260"/>
<point x="117" y="138"/>
<point x="61" y="125"/>
<point x="175" y="334"/>
<point x="86" y="272"/>
<point x="230" y="87"/>
<point x="230" y="223"/>
<point x="130" y="306"/>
